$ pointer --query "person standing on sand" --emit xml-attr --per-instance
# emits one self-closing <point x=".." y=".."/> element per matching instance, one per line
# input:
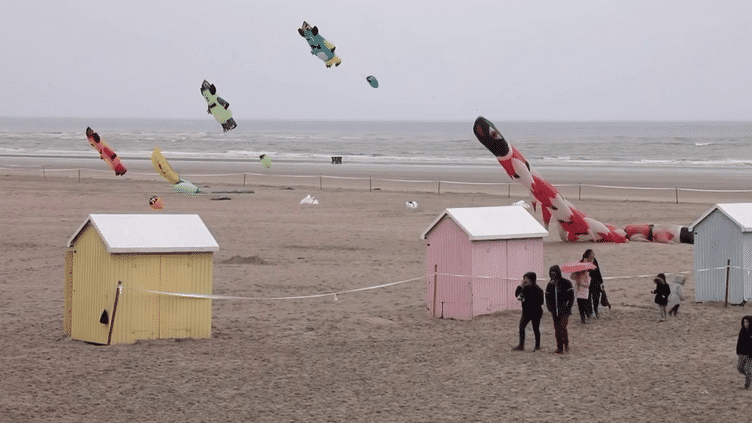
<point x="531" y="296"/>
<point x="677" y="296"/>
<point x="559" y="300"/>
<point x="744" y="350"/>
<point x="581" y="284"/>
<point x="662" y="291"/>
<point x="596" y="282"/>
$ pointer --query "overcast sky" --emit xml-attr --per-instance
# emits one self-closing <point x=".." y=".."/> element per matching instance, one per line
<point x="434" y="59"/>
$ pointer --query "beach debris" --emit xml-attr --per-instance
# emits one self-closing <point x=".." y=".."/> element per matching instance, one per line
<point x="572" y="224"/>
<point x="244" y="260"/>
<point x="309" y="200"/>
<point x="411" y="204"/>
<point x="266" y="161"/>
<point x="234" y="191"/>
<point x="218" y="107"/>
<point x="320" y="47"/>
<point x="166" y="171"/>
<point x="221" y="198"/>
<point x="156" y="203"/>
<point x="106" y="152"/>
<point x="521" y="203"/>
<point x="373" y="81"/>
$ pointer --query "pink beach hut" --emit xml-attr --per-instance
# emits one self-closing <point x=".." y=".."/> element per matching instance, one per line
<point x="475" y="258"/>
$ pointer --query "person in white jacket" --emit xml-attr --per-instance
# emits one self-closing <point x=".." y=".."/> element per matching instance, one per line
<point x="676" y="298"/>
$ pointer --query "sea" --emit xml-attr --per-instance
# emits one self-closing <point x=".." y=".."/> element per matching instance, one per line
<point x="719" y="144"/>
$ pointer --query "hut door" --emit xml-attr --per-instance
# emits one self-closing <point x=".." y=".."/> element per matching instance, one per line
<point x="142" y="309"/>
<point x="174" y="311"/>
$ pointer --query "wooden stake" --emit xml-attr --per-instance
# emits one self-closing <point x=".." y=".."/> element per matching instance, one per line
<point x="728" y="270"/>
<point x="114" y="310"/>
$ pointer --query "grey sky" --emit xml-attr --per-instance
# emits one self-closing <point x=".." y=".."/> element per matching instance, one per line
<point x="454" y="60"/>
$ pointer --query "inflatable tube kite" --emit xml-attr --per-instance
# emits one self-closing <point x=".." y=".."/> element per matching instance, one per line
<point x="165" y="170"/>
<point x="320" y="47"/>
<point x="106" y="152"/>
<point x="218" y="107"/>
<point x="572" y="224"/>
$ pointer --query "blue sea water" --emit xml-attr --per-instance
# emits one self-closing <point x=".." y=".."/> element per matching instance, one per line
<point x="685" y="144"/>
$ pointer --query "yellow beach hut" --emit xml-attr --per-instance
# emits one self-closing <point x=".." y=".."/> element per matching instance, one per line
<point x="120" y="270"/>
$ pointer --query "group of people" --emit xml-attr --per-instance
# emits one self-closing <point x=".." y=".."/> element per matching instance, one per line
<point x="588" y="290"/>
<point x="666" y="294"/>
<point x="559" y="299"/>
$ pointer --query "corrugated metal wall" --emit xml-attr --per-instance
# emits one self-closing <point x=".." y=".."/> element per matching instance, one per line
<point x="489" y="276"/>
<point x="144" y="315"/>
<point x="746" y="273"/>
<point x="523" y="255"/>
<point x="718" y="239"/>
<point x="186" y="317"/>
<point x="138" y="312"/>
<point x="68" y="292"/>
<point x="506" y="261"/>
<point x="94" y="287"/>
<point x="448" y="247"/>
<point x="140" y="315"/>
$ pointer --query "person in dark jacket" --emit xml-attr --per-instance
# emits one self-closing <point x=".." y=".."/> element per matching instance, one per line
<point x="596" y="282"/>
<point x="744" y="350"/>
<point x="662" y="291"/>
<point x="559" y="300"/>
<point x="531" y="296"/>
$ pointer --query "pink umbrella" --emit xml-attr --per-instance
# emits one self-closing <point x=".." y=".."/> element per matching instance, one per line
<point x="577" y="266"/>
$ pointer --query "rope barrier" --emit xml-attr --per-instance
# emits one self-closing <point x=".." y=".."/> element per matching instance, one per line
<point x="349" y="291"/>
<point x="297" y="297"/>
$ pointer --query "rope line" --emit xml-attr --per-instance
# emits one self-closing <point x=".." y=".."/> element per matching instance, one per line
<point x="297" y="297"/>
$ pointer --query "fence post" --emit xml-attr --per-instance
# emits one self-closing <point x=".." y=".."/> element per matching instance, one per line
<point x="244" y="179"/>
<point x="579" y="194"/>
<point x="79" y="175"/>
<point x="370" y="185"/>
<point x="44" y="174"/>
<point x="677" y="195"/>
<point x="438" y="190"/>
<point x="509" y="190"/>
<point x="321" y="183"/>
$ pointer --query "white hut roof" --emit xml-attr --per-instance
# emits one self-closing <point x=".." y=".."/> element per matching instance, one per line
<point x="150" y="233"/>
<point x="490" y="223"/>
<point x="739" y="213"/>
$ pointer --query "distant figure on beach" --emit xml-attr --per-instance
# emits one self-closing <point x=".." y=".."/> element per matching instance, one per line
<point x="661" y="291"/>
<point x="531" y="296"/>
<point x="677" y="295"/>
<point x="559" y="300"/>
<point x="744" y="350"/>
<point x="596" y="283"/>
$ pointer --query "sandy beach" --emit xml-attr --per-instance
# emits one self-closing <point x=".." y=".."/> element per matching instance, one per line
<point x="373" y="355"/>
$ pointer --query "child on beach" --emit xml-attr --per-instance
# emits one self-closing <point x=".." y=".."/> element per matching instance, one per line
<point x="582" y="292"/>
<point x="661" y="291"/>
<point x="677" y="296"/>
<point x="744" y="350"/>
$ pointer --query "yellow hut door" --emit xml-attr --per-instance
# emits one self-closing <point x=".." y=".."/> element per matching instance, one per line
<point x="175" y="314"/>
